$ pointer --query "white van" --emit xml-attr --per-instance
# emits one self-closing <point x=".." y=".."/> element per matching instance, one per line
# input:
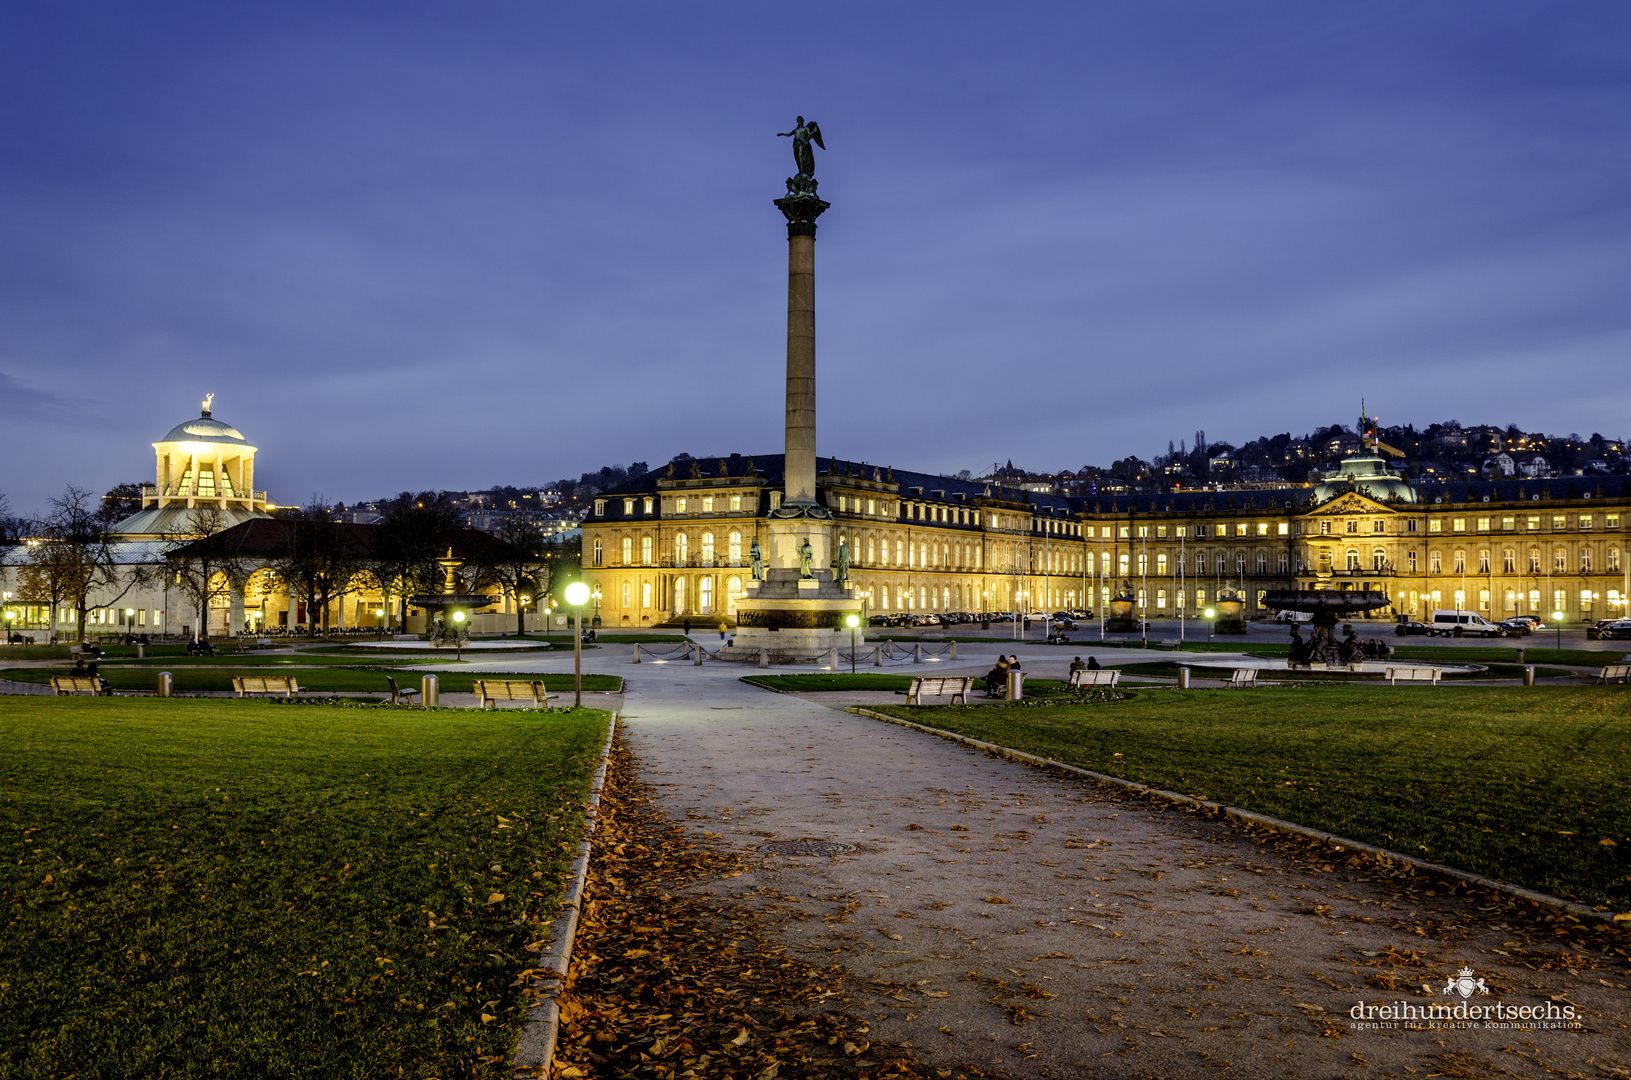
<point x="1470" y="623"/>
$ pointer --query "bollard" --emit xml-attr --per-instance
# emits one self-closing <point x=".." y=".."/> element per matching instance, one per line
<point x="832" y="660"/>
<point x="637" y="654"/>
<point x="696" y="656"/>
<point x="1520" y="654"/>
<point x="764" y="656"/>
<point x="141" y="651"/>
<point x="428" y="696"/>
<point x="1528" y="674"/>
<point x="877" y="656"/>
<point x="917" y="654"/>
<point x="166" y="683"/>
<point x="1183" y="678"/>
<point x="1016" y="685"/>
<point x="954" y="650"/>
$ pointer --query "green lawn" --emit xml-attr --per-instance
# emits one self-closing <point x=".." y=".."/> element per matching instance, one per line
<point x="217" y="888"/>
<point x="322" y="679"/>
<point x="1520" y="784"/>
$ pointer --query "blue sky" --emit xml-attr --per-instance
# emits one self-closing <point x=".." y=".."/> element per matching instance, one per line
<point x="436" y="245"/>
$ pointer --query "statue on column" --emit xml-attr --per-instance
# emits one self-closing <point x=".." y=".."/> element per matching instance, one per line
<point x="756" y="562"/>
<point x="806" y="555"/>
<point x="843" y="562"/>
<point x="803" y="134"/>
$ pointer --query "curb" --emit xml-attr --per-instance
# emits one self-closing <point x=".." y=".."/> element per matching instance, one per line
<point x="1251" y="817"/>
<point x="535" y="1049"/>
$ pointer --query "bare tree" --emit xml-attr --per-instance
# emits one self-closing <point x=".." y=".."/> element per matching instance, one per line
<point x="520" y="563"/>
<point x="204" y="562"/>
<point x="76" y="558"/>
<point x="317" y="559"/>
<point x="413" y="533"/>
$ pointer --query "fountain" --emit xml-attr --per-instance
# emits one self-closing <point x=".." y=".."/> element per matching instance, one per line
<point x="447" y="613"/>
<point x="1329" y="607"/>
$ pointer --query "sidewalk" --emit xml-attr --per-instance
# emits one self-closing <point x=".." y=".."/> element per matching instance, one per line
<point x="1008" y="919"/>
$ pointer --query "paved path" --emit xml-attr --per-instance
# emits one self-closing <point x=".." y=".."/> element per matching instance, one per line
<point x="1126" y="940"/>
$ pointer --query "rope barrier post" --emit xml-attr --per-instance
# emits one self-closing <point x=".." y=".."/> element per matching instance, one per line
<point x="764" y="657"/>
<point x="917" y="653"/>
<point x="832" y="659"/>
<point x="697" y="657"/>
<point x="954" y="650"/>
<point x="877" y="656"/>
<point x="636" y="653"/>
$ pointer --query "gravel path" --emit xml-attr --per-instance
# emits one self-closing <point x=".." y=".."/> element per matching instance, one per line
<point x="1004" y="918"/>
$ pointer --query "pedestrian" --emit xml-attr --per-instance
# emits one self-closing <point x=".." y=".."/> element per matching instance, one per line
<point x="722" y="629"/>
<point x="1093" y="663"/>
<point x="687" y="627"/>
<point x="1077" y="665"/>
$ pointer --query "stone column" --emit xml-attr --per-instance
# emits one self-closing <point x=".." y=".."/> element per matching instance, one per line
<point x="801" y="391"/>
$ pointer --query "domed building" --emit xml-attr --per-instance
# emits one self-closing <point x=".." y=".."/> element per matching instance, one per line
<point x="1368" y="475"/>
<point x="202" y="462"/>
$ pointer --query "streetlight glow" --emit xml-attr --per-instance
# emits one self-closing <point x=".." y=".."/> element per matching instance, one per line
<point x="577" y="594"/>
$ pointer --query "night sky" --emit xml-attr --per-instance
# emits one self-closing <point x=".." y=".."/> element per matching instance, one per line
<point x="453" y="245"/>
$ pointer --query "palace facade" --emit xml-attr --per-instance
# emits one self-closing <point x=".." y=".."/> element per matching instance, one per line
<point x="673" y="544"/>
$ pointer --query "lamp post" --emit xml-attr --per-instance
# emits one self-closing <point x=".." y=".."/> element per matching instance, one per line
<point x="1557" y="616"/>
<point x="11" y="616"/>
<point x="458" y="639"/>
<point x="595" y="622"/>
<point x="852" y="621"/>
<point x="379" y="623"/>
<point x="577" y="594"/>
<point x="1211" y="621"/>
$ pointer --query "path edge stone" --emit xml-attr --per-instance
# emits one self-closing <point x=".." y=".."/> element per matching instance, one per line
<point x="1251" y="817"/>
<point x="535" y="1048"/>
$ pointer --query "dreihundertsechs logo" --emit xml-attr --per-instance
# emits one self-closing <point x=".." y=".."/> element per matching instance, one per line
<point x="1463" y="983"/>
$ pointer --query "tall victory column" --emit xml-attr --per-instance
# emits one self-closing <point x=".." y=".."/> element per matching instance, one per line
<point x="798" y="603"/>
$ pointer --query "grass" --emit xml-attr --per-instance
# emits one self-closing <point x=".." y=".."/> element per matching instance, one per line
<point x="282" y="659"/>
<point x="202" y="889"/>
<point x="321" y="679"/>
<point x="1521" y="785"/>
<point x="1169" y="669"/>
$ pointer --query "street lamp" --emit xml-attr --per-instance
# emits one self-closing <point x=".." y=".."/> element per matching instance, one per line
<point x="458" y="642"/>
<point x="1557" y="616"/>
<point x="852" y="621"/>
<point x="596" y="621"/>
<point x="10" y="616"/>
<point x="577" y="594"/>
<point x="379" y="622"/>
<point x="1211" y="620"/>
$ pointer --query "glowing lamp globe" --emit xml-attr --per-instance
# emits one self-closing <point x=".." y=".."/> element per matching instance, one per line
<point x="458" y="616"/>
<point x="852" y="621"/>
<point x="577" y="594"/>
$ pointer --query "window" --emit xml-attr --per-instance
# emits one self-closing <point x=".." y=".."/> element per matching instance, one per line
<point x="645" y="554"/>
<point x="1613" y="562"/>
<point x="871" y="550"/>
<point x="705" y="595"/>
<point x="1483" y="524"/>
<point x="682" y="545"/>
<point x="600" y="508"/>
<point x="775" y="500"/>
<point x="628" y="594"/>
<point x="1435" y="563"/>
<point x="735" y="550"/>
<point x="1378" y="560"/>
<point x="597" y="551"/>
<point x="1533" y="522"/>
<point x="1285" y="528"/>
<point x="707" y="504"/>
<point x="648" y="504"/>
<point x="707" y="549"/>
<point x="1560" y="561"/>
<point x="1410" y="526"/>
<point x="1410" y="560"/>
<point x="679" y="596"/>
<point x="1124" y="562"/>
<point x="628" y="507"/>
<point x="1285" y="561"/>
<point x="1585" y="521"/>
<point x="1534" y="601"/>
<point x="900" y="555"/>
<point x="1124" y="532"/>
<point x="645" y="594"/>
<point x="679" y="505"/>
<point x="1200" y="532"/>
<point x="1458" y="525"/>
<point x="1508" y="523"/>
<point x="1262" y="563"/>
<point x="1585" y="560"/>
<point x="1180" y="530"/>
<point x="736" y="502"/>
<point x="1483" y="560"/>
<point x="1160" y="599"/>
<point x="1511" y="600"/>
<point x="628" y="552"/>
<point x="1559" y="522"/>
<point x="1161" y="564"/>
<point x="1560" y="601"/>
<point x="1378" y="526"/>
<point x="871" y="506"/>
<point x="733" y="593"/>
<point x="1611" y="521"/>
<point x="1240" y="565"/>
<point x="1483" y="599"/>
<point x="1353" y="560"/>
<point x="1585" y="602"/>
<point x="1509" y="561"/>
<point x="1534" y="560"/>
<point x="1142" y="564"/>
<point x="1435" y="525"/>
<point x="1143" y="531"/>
<point x="1262" y="528"/>
<point x="1222" y="564"/>
<point x="1459" y="566"/>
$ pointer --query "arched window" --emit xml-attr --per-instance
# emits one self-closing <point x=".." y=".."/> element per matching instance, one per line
<point x="871" y="549"/>
<point x="736" y="548"/>
<point x="1378" y="559"/>
<point x="645" y="552"/>
<point x="733" y="593"/>
<point x="707" y="549"/>
<point x="1614" y="559"/>
<point x="1161" y="563"/>
<point x="679" y="596"/>
<point x="1459" y="565"/>
<point x="1483" y="560"/>
<point x="1435" y="563"/>
<point x="1534" y="560"/>
<point x="705" y="595"/>
<point x="682" y="545"/>
<point x="1585" y="559"/>
<point x="628" y="551"/>
<point x="1353" y="559"/>
<point x="1509" y="561"/>
<point x="597" y="551"/>
<point x="1560" y="560"/>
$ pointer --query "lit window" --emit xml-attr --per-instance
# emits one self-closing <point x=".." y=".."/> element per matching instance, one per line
<point x="628" y="511"/>
<point x="645" y="594"/>
<point x="1435" y="563"/>
<point x="1458" y="525"/>
<point x="1240" y="528"/>
<point x="1262" y="528"/>
<point x="707" y="504"/>
<point x="1483" y="524"/>
<point x="1160" y="530"/>
<point x="1509" y="523"/>
<point x="1285" y="528"/>
<point x="648" y="502"/>
<point x="679" y="506"/>
<point x="1435" y="525"/>
<point x="736" y="502"/>
<point x="600" y="508"/>
<point x="597" y="552"/>
<point x="1585" y="521"/>
<point x="1534" y="522"/>
<point x="645" y="555"/>
<point x="736" y="548"/>
<point x="1559" y="522"/>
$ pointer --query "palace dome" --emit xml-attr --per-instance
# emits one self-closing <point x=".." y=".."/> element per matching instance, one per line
<point x="1368" y="476"/>
<point x="205" y="428"/>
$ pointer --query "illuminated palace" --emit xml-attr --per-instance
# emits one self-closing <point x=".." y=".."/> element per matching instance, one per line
<point x="675" y="543"/>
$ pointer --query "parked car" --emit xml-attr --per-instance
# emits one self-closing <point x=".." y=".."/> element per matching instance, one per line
<point x="1603" y="628"/>
<point x="1449" y="622"/>
<point x="1618" y="630"/>
<point x="1063" y="621"/>
<point x="1408" y="628"/>
<point x="880" y="620"/>
<point x="1519" y="626"/>
<point x="1532" y="621"/>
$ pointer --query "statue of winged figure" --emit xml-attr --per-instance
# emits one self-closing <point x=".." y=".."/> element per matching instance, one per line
<point x="803" y="134"/>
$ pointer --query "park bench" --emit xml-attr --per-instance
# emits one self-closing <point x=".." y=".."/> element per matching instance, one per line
<point x="1242" y="679"/>
<point x="263" y="643"/>
<point x="1431" y="675"/>
<point x="76" y="684"/>
<point x="490" y="692"/>
<point x="1614" y="673"/>
<point x="287" y="685"/>
<point x="398" y="695"/>
<point x="956" y="688"/>
<point x="1094" y="677"/>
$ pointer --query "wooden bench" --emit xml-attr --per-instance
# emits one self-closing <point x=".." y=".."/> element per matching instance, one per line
<point x="1614" y="673"/>
<point x="287" y="685"/>
<point x="1094" y="677"/>
<point x="398" y="695"/>
<point x="76" y="684"/>
<point x="1242" y="679"/>
<point x="957" y="688"/>
<point x="1431" y="675"/>
<point x="490" y="692"/>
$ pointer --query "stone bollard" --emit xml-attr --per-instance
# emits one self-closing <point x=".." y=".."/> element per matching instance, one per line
<point x="877" y="656"/>
<point x="1520" y="654"/>
<point x="141" y="651"/>
<point x="917" y="654"/>
<point x="1528" y="674"/>
<point x="428" y="696"/>
<point x="832" y="659"/>
<point x="637" y="654"/>
<point x="764" y="657"/>
<point x="1183" y="678"/>
<point x="166" y="684"/>
<point x="696" y="655"/>
<point x="1016" y="685"/>
<point x="954" y="650"/>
